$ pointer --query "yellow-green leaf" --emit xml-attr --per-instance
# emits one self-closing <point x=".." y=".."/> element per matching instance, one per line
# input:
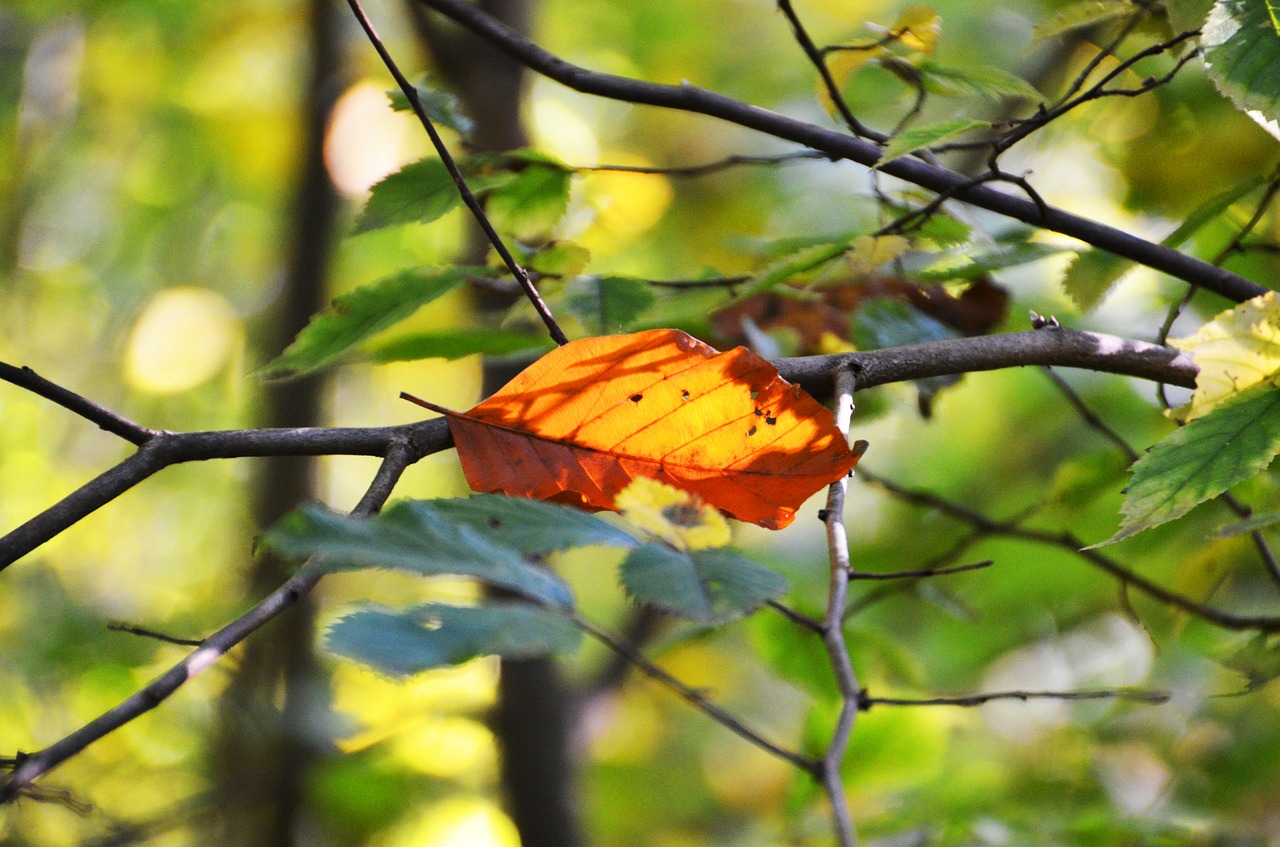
<point x="911" y="140"/>
<point x="868" y="252"/>
<point x="1235" y="351"/>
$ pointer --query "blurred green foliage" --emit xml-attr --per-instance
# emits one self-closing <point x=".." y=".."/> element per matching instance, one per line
<point x="148" y="151"/>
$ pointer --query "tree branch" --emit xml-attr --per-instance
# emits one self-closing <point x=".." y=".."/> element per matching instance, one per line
<point x="690" y="98"/>
<point x="1048" y="346"/>
<point x="30" y="767"/>
<point x="172" y="448"/>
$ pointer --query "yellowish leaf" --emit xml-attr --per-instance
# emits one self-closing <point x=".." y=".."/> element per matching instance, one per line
<point x="918" y="27"/>
<point x="1236" y="350"/>
<point x="676" y="516"/>
<point x="841" y="65"/>
<point x="869" y="252"/>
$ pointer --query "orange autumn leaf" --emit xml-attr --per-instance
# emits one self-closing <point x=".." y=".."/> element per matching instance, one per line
<point x="578" y="425"/>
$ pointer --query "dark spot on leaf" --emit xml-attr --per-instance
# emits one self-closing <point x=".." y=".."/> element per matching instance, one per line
<point x="494" y="522"/>
<point x="751" y="431"/>
<point x="683" y="514"/>
<point x="684" y="394"/>
<point x="636" y="398"/>
<point x="759" y="414"/>
<point x="770" y="420"/>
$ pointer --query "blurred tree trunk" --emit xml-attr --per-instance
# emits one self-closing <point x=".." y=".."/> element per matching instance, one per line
<point x="275" y="710"/>
<point x="533" y="720"/>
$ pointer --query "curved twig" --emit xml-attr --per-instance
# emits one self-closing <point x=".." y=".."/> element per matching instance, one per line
<point x="31" y="766"/>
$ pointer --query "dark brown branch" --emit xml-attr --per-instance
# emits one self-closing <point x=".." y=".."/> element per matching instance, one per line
<point x="1049" y="346"/>
<point x="400" y="455"/>
<point x="840" y="145"/>
<point x="172" y="448"/>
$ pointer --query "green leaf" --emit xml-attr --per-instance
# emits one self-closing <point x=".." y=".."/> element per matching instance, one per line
<point x="442" y="107"/>
<point x="1091" y="275"/>
<point x="417" y="193"/>
<point x="531" y="203"/>
<point x="803" y="260"/>
<point x="532" y="526"/>
<point x="1253" y="523"/>
<point x="359" y="314"/>
<point x="416" y="537"/>
<point x="1081" y="14"/>
<point x="560" y="258"/>
<point x="974" y="82"/>
<point x="1258" y="660"/>
<point x="608" y="304"/>
<point x="911" y="140"/>
<point x="706" y="586"/>
<point x="1093" y="272"/>
<point x="980" y="261"/>
<point x="1187" y="15"/>
<point x="456" y="343"/>
<point x="435" y="635"/>
<point x="1242" y="52"/>
<point x="1202" y="460"/>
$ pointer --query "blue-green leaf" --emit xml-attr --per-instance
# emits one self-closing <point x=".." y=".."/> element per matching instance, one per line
<point x="706" y="586"/>
<point x="1201" y="460"/>
<point x="359" y="314"/>
<point x="415" y="537"/>
<point x="531" y="526"/>
<point x="435" y="635"/>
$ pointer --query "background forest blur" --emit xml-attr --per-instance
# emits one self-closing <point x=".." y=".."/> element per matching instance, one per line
<point x="175" y="204"/>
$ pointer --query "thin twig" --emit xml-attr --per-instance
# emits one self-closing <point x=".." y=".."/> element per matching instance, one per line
<point x="828" y="82"/>
<point x="833" y="629"/>
<point x="921" y="573"/>
<point x="118" y="626"/>
<point x="694" y="696"/>
<point x="1069" y="542"/>
<point x="464" y="190"/>
<point x="796" y="617"/>
<point x="1134" y="694"/>
<point x="34" y="765"/>
<point x="1268" y="556"/>
<point x="106" y="419"/>
<point x="1090" y="418"/>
